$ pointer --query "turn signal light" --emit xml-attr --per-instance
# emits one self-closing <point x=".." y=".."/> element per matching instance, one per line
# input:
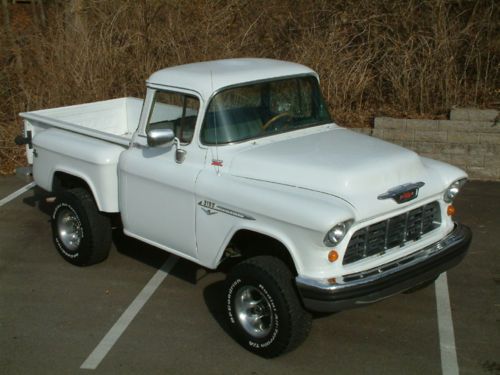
<point x="451" y="210"/>
<point x="333" y="256"/>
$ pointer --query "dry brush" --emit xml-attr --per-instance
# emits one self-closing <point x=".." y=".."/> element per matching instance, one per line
<point x="404" y="58"/>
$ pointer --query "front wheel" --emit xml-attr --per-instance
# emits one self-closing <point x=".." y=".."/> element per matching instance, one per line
<point x="263" y="308"/>
<point x="81" y="233"/>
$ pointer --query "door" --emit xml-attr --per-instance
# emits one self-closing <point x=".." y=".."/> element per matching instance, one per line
<point x="156" y="193"/>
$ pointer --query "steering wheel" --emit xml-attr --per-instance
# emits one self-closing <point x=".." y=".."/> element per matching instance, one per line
<point x="274" y="118"/>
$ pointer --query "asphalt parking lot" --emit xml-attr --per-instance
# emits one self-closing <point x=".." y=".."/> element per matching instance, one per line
<point x="53" y="314"/>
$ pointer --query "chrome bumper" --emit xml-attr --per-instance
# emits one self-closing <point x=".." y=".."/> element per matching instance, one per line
<point x="356" y="290"/>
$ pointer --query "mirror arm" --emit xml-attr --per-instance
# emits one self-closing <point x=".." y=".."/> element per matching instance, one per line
<point x="180" y="154"/>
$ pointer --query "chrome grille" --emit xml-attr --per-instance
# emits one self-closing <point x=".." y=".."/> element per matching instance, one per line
<point x="393" y="232"/>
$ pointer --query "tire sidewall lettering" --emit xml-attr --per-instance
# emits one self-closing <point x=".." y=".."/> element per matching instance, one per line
<point x="269" y="339"/>
<point x="275" y="331"/>
<point x="62" y="249"/>
<point x="229" y="302"/>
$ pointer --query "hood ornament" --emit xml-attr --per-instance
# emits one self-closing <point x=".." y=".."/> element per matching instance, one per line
<point x="403" y="193"/>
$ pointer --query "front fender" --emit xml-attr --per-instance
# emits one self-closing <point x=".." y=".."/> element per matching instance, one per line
<point x="445" y="172"/>
<point x="296" y="217"/>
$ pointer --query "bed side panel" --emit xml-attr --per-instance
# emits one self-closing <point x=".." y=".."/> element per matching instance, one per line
<point x="93" y="160"/>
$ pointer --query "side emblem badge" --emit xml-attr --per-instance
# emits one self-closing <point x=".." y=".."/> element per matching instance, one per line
<point x="211" y="208"/>
<point x="403" y="193"/>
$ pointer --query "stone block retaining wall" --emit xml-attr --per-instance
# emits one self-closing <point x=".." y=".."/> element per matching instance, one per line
<point x="470" y="139"/>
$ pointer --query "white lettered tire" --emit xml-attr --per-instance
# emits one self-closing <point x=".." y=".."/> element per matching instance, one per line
<point x="81" y="234"/>
<point x="263" y="308"/>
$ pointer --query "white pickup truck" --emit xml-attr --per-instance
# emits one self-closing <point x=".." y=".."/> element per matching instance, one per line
<point x="240" y="159"/>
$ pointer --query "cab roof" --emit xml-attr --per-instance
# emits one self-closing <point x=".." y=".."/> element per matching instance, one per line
<point x="210" y="76"/>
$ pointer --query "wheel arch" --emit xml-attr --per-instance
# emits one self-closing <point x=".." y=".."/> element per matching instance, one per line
<point x="249" y="242"/>
<point x="64" y="180"/>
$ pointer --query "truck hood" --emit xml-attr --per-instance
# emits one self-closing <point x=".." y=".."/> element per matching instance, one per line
<point x="351" y="166"/>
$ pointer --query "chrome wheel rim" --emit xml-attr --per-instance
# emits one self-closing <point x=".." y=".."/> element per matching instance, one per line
<point x="69" y="229"/>
<point x="254" y="311"/>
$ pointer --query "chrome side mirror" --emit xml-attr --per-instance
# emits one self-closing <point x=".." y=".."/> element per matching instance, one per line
<point x="160" y="136"/>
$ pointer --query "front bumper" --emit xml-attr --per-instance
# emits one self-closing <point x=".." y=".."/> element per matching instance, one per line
<point x="356" y="290"/>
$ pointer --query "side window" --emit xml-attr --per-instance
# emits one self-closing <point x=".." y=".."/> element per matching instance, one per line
<point x="175" y="111"/>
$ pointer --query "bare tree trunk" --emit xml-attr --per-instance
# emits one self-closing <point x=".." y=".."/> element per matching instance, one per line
<point x="74" y="17"/>
<point x="14" y="46"/>
<point x="6" y="16"/>
<point x="42" y="12"/>
<point x="34" y="12"/>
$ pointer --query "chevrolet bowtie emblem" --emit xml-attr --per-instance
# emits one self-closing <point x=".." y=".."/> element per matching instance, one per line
<point x="403" y="193"/>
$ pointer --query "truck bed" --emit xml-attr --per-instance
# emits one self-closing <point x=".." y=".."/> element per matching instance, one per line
<point x="112" y="120"/>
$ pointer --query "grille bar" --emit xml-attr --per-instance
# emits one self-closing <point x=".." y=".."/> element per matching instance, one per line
<point x="393" y="232"/>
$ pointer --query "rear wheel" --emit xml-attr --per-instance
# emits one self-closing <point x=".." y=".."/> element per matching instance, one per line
<point x="263" y="307"/>
<point x="81" y="233"/>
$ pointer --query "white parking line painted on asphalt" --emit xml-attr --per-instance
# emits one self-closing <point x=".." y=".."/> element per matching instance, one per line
<point x="95" y="358"/>
<point x="17" y="193"/>
<point x="449" y="362"/>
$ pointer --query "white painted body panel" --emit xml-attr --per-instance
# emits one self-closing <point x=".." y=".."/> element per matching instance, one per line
<point x="93" y="160"/>
<point x="85" y="141"/>
<point x="208" y="77"/>
<point x="336" y="161"/>
<point x="298" y="219"/>
<point x="293" y="186"/>
<point x="157" y="195"/>
<point x="112" y="120"/>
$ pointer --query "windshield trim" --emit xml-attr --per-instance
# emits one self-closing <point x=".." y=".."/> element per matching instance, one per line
<point x="249" y="83"/>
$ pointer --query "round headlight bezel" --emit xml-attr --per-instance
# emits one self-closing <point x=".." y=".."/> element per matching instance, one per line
<point x="452" y="191"/>
<point x="338" y="232"/>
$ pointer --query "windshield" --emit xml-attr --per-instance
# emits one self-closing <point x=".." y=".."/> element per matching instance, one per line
<point x="257" y="110"/>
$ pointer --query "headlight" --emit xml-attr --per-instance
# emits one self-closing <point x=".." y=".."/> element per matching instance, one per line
<point x="337" y="233"/>
<point x="453" y="190"/>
